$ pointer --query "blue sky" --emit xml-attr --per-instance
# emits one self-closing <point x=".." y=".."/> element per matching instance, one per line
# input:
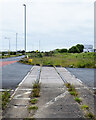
<point x="55" y="23"/>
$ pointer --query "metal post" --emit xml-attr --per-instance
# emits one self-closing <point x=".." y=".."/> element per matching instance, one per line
<point x="39" y="45"/>
<point x="25" y="26"/>
<point x="9" y="45"/>
<point x="16" y="42"/>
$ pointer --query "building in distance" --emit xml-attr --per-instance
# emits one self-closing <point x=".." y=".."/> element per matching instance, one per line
<point x="88" y="48"/>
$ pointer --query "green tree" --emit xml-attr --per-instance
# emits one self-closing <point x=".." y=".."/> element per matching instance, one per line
<point x="80" y="47"/>
<point x="62" y="50"/>
<point x="74" y="49"/>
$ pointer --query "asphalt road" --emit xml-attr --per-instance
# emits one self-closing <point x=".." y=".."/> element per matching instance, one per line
<point x="86" y="75"/>
<point x="12" y="58"/>
<point x="13" y="73"/>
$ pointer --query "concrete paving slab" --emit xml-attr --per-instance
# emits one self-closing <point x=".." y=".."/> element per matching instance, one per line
<point x="88" y="98"/>
<point x="55" y="101"/>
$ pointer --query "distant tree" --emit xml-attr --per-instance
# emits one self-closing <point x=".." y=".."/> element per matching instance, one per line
<point x="80" y="47"/>
<point x="74" y="49"/>
<point x="12" y="53"/>
<point x="23" y="52"/>
<point x="62" y="50"/>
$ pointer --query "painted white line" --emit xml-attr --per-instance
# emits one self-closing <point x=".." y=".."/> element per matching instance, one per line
<point x="26" y="89"/>
<point x="55" y="99"/>
<point x="21" y="98"/>
<point x="2" y="90"/>
<point x="74" y="76"/>
<point x="94" y="88"/>
<point x="21" y="83"/>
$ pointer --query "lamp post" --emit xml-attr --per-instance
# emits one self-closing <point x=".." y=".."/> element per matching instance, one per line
<point x="9" y="43"/>
<point x="16" y="43"/>
<point x="25" y="26"/>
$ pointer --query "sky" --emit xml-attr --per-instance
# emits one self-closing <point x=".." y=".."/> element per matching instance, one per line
<point x="51" y="24"/>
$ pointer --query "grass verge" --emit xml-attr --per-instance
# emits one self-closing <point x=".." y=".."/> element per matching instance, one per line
<point x="76" y="60"/>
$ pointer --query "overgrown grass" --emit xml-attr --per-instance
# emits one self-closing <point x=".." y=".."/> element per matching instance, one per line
<point x="77" y="60"/>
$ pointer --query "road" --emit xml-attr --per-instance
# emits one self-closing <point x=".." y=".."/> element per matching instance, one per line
<point x="86" y="75"/>
<point x="13" y="72"/>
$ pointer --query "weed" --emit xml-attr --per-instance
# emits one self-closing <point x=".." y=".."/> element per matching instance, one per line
<point x="36" y="92"/>
<point x="5" y="98"/>
<point x="33" y="101"/>
<point x="90" y="115"/>
<point x="68" y="85"/>
<point x="85" y="107"/>
<point x="36" y="85"/>
<point x="78" y="99"/>
<point x="32" y="108"/>
<point x="71" y="89"/>
<point x="29" y="119"/>
<point x="74" y="93"/>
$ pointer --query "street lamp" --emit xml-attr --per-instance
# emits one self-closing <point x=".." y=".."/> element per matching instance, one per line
<point x="16" y="43"/>
<point x="25" y="26"/>
<point x="9" y="43"/>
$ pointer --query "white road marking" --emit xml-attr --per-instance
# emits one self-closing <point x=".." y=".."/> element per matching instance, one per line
<point x="20" y="83"/>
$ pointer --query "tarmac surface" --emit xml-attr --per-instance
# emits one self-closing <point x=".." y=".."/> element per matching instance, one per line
<point x="12" y="72"/>
<point x="86" y="75"/>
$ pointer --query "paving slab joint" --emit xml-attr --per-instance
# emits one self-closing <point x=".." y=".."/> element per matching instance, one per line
<point x="38" y="75"/>
<point x="60" y="75"/>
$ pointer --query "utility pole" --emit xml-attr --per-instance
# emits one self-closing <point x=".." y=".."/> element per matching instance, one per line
<point x="39" y="45"/>
<point x="16" y="43"/>
<point x="25" y="26"/>
<point x="9" y="47"/>
<point x="9" y="44"/>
